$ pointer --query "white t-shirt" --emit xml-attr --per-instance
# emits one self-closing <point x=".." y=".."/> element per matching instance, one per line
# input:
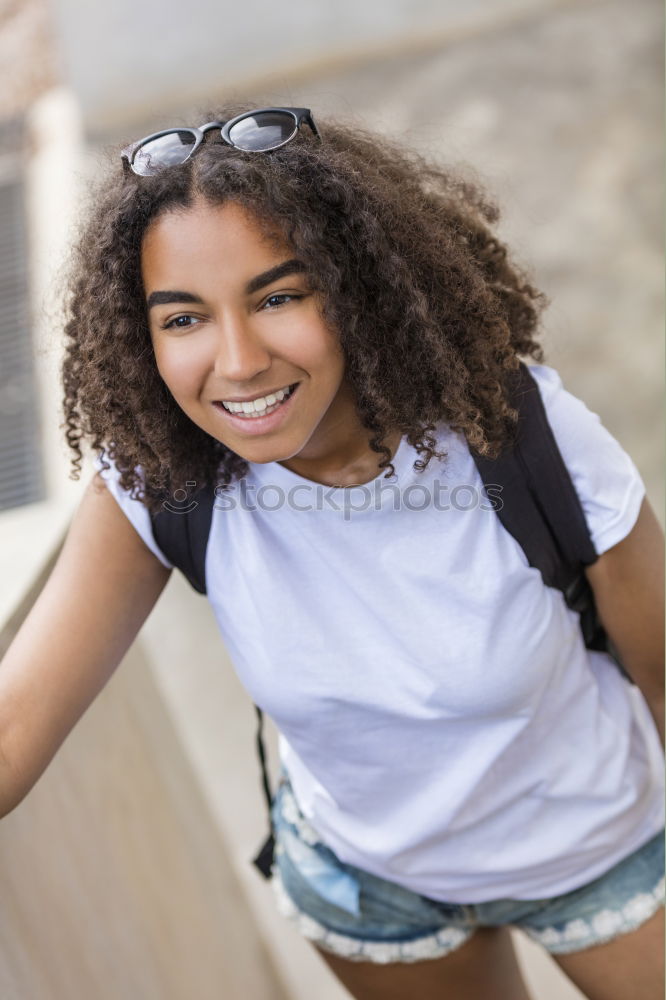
<point x="440" y="718"/>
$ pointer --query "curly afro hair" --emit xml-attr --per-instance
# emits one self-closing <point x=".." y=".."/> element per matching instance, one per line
<point x="431" y="313"/>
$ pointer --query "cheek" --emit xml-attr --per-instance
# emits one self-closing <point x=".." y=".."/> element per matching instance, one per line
<point x="179" y="370"/>
<point x="319" y="350"/>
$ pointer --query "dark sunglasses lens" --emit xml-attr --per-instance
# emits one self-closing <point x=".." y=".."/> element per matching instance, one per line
<point x="263" y="131"/>
<point x="166" y="151"/>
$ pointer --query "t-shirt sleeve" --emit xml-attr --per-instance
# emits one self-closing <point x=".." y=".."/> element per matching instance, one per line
<point x="136" y="512"/>
<point x="606" y="480"/>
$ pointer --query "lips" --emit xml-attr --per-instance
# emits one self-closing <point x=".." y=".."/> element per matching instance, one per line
<point x="262" y="395"/>
<point x="254" y="425"/>
<point x="288" y="390"/>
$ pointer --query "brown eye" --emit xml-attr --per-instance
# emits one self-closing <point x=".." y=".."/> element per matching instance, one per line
<point x="179" y="323"/>
<point x="280" y="299"/>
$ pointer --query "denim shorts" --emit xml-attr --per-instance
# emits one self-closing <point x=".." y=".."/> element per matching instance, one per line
<point x="349" y="912"/>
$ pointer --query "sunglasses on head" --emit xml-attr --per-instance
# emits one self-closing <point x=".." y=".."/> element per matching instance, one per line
<point x="255" y="131"/>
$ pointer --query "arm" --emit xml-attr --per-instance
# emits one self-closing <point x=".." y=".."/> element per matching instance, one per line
<point x="102" y="588"/>
<point x="628" y="585"/>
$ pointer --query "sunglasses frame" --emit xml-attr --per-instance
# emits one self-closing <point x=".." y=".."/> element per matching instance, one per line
<point x="299" y="116"/>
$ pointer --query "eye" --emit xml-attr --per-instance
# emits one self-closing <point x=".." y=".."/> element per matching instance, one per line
<point x="280" y="299"/>
<point x="180" y="322"/>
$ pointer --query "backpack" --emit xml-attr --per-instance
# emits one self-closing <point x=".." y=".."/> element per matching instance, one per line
<point x="538" y="506"/>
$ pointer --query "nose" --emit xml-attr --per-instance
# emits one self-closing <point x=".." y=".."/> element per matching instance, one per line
<point x="240" y="353"/>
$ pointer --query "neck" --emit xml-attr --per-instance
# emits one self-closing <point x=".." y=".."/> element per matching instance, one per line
<point x="351" y="463"/>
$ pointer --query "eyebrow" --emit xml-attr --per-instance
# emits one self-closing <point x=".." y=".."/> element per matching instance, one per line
<point x="292" y="266"/>
<point x="165" y="298"/>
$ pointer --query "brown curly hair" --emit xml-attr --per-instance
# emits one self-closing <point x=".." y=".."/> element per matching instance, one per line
<point x="431" y="313"/>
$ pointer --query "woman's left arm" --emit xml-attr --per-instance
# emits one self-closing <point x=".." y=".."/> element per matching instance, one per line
<point x="628" y="585"/>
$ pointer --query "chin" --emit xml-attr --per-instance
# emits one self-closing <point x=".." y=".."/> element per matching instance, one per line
<point x="259" y="452"/>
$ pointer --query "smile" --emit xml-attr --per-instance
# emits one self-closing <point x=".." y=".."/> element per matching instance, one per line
<point x="261" y="405"/>
<point x="259" y="421"/>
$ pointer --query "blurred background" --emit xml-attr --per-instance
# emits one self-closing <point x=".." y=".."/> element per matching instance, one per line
<point x="125" y="872"/>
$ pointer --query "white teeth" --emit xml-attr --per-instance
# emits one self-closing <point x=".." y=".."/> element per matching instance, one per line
<point x="258" y="405"/>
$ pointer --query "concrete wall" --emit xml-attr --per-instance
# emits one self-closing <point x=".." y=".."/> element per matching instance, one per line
<point x="116" y="879"/>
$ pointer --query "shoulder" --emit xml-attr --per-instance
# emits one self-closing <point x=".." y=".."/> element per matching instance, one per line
<point x="133" y="508"/>
<point x="605" y="477"/>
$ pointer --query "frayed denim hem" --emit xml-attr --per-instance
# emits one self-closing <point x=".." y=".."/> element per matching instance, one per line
<point x="356" y="950"/>
<point x="605" y="926"/>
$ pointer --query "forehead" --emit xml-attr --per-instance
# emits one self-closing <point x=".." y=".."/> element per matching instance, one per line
<point x="208" y="240"/>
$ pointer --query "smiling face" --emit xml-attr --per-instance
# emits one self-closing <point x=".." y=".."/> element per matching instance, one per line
<point x="232" y="317"/>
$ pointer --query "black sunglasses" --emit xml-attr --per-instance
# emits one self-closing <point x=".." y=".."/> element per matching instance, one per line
<point x="254" y="131"/>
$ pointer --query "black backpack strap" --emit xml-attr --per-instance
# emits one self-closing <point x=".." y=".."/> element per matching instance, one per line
<point x="264" y="859"/>
<point x="540" y="506"/>
<point x="182" y="535"/>
<point x="548" y="476"/>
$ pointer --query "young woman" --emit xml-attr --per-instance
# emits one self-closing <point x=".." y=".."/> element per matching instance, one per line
<point x="323" y="325"/>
